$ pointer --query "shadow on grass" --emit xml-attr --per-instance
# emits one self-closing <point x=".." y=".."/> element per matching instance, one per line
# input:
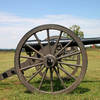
<point x="28" y="92"/>
<point x="80" y="90"/>
<point x="89" y="81"/>
<point x="57" y="86"/>
<point x="46" y="85"/>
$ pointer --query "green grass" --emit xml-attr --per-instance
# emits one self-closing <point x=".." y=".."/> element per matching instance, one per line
<point x="89" y="89"/>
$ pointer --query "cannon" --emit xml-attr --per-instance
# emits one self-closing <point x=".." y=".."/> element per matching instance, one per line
<point x="50" y="59"/>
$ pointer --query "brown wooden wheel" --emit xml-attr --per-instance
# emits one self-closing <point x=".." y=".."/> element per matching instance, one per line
<point x="51" y="61"/>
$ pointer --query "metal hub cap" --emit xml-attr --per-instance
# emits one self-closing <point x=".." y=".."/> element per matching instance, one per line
<point x="50" y="60"/>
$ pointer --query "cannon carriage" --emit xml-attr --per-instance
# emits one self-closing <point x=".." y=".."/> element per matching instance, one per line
<point x="47" y="62"/>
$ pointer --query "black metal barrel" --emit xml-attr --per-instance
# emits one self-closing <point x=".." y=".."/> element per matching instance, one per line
<point x="89" y="41"/>
<point x="85" y="41"/>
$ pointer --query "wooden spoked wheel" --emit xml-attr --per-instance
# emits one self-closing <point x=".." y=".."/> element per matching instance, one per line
<point x="52" y="62"/>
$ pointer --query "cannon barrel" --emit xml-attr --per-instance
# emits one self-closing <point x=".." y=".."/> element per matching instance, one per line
<point x="89" y="41"/>
<point x="85" y="41"/>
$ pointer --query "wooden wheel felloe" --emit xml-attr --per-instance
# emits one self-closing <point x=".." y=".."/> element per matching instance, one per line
<point x="52" y="63"/>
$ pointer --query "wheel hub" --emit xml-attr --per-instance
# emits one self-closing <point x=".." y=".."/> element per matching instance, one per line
<point x="50" y="61"/>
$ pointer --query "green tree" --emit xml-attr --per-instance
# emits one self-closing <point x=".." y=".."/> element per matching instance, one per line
<point x="77" y="31"/>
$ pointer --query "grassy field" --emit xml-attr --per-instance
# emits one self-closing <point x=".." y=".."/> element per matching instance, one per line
<point x="89" y="89"/>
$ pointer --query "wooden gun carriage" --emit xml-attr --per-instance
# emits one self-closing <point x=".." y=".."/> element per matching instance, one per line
<point x="50" y="59"/>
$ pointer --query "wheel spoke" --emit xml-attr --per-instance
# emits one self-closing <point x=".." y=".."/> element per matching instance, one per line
<point x="58" y="75"/>
<point x="68" y="55"/>
<point x="67" y="65"/>
<point x="48" y="37"/>
<point x="64" y="48"/>
<point x="35" y="74"/>
<point x="51" y="79"/>
<point x="30" y="66"/>
<point x="69" y="59"/>
<point x="58" y="70"/>
<point x="44" y="75"/>
<point x="76" y="65"/>
<point x="71" y="51"/>
<point x="34" y="58"/>
<point x="61" y="65"/>
<point x="35" y="50"/>
<point x="39" y="42"/>
<point x="57" y="42"/>
<point x="67" y="73"/>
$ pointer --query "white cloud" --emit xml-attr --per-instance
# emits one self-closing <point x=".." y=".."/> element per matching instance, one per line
<point x="12" y="27"/>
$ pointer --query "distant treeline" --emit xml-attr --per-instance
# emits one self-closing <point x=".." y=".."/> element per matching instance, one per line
<point x="7" y="49"/>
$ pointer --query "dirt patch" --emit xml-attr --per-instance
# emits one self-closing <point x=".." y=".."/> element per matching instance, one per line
<point x="4" y="99"/>
<point x="98" y="57"/>
<point x="7" y="89"/>
<point x="17" y="83"/>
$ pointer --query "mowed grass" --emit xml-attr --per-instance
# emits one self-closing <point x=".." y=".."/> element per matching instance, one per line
<point x="89" y="89"/>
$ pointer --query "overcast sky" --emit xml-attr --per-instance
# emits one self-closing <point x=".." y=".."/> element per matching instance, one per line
<point x="18" y="17"/>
